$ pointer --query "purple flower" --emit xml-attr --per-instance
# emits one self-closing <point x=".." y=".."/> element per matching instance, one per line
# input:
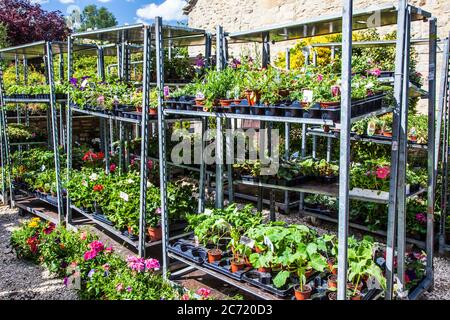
<point x="235" y="63"/>
<point x="335" y="91"/>
<point x="319" y="77"/>
<point x="199" y="61"/>
<point x="74" y="82"/>
<point x="158" y="211"/>
<point x="91" y="273"/>
<point x="375" y="72"/>
<point x="129" y="289"/>
<point x="66" y="280"/>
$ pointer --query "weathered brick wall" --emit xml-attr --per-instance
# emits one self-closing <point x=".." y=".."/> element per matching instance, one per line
<point x="240" y="15"/>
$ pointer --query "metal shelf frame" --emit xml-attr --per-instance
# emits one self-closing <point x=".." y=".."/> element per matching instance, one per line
<point x="124" y="39"/>
<point x="401" y="15"/>
<point x="44" y="50"/>
<point x="444" y="104"/>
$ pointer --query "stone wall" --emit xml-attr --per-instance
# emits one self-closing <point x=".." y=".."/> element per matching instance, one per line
<point x="240" y="15"/>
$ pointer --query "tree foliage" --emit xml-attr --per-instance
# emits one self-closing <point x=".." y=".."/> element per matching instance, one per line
<point x="27" y="22"/>
<point x="3" y="36"/>
<point x="96" y="18"/>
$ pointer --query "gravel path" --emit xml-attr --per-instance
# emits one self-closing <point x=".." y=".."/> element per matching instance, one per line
<point x="23" y="280"/>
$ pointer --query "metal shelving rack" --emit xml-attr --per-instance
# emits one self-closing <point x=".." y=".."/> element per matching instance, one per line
<point x="45" y="50"/>
<point x="121" y="42"/>
<point x="444" y="104"/>
<point x="401" y="15"/>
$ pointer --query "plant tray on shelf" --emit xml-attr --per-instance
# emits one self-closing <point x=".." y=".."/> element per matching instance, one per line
<point x="384" y="195"/>
<point x="189" y="251"/>
<point x="132" y="237"/>
<point x="102" y="218"/>
<point x="224" y="266"/>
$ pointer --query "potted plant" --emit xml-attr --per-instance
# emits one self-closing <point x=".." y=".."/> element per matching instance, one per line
<point x="154" y="229"/>
<point x="240" y="251"/>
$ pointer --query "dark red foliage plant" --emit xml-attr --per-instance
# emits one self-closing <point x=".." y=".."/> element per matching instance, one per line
<point x="27" y="22"/>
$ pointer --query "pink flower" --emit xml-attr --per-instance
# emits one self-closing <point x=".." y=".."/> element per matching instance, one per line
<point x="383" y="172"/>
<point x="319" y="77"/>
<point x="101" y="100"/>
<point x="50" y="228"/>
<point x="106" y="267"/>
<point x="89" y="255"/>
<point x="112" y="167"/>
<point x="135" y="263"/>
<point x="149" y="164"/>
<point x="83" y="236"/>
<point x="204" y="292"/>
<point x="151" y="264"/>
<point x="158" y="211"/>
<point x="421" y="218"/>
<point x="119" y="287"/>
<point x="185" y="297"/>
<point x="96" y="246"/>
<point x="109" y="250"/>
<point x="335" y="91"/>
<point x="375" y="72"/>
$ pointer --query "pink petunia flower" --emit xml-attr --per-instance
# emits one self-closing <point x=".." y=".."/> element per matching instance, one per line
<point x="204" y="292"/>
<point x="319" y="77"/>
<point x="96" y="246"/>
<point x="83" y="236"/>
<point x="109" y="250"/>
<point x="119" y="287"/>
<point x="185" y="297"/>
<point x="89" y="255"/>
<point x="152" y="264"/>
<point x="383" y="172"/>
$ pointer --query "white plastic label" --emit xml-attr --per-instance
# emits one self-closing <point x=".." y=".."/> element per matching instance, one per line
<point x="200" y="95"/>
<point x="307" y="96"/>
<point x="43" y="168"/>
<point x="124" y="196"/>
<point x="268" y="243"/>
<point x="248" y="242"/>
<point x="208" y="211"/>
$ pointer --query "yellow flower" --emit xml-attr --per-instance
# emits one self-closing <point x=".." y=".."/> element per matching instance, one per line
<point x="33" y="224"/>
<point x="37" y="219"/>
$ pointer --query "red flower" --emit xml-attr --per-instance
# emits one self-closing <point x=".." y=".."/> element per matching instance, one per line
<point x="112" y="167"/>
<point x="100" y="155"/>
<point x="98" y="187"/>
<point x="149" y="164"/>
<point x="50" y="228"/>
<point x="383" y="172"/>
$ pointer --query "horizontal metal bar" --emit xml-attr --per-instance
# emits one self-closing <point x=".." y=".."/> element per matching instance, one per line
<point x="28" y="143"/>
<point x="249" y="117"/>
<point x="426" y="284"/>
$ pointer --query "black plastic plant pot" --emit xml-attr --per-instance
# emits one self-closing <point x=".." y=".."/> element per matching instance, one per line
<point x="265" y="278"/>
<point x="271" y="111"/>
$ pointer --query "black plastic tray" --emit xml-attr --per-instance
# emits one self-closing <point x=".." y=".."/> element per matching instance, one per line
<point x="189" y="251"/>
<point x="223" y="266"/>
<point x="253" y="277"/>
<point x="102" y="218"/>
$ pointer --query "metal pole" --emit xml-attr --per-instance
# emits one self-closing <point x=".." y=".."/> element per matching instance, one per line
<point x="229" y="165"/>
<point x="162" y="142"/>
<point x="54" y="130"/>
<point x="208" y="43"/>
<point x="145" y="141"/>
<point x="219" y="135"/>
<point x="403" y="152"/>
<point x="398" y="92"/>
<point x="329" y="141"/>
<point x="69" y="126"/>
<point x="266" y="50"/>
<point x="344" y="160"/>
<point x="201" y="183"/>
<point x="219" y="48"/>
<point x="432" y="168"/>
<point x="444" y="108"/>
<point x="288" y="59"/>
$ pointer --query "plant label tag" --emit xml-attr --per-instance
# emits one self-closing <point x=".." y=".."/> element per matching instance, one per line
<point x="208" y="212"/>
<point x="166" y="91"/>
<point x="43" y="168"/>
<point x="124" y="196"/>
<point x="372" y="283"/>
<point x="371" y="128"/>
<point x="295" y="155"/>
<point x="196" y="242"/>
<point x="307" y="96"/>
<point x="268" y="243"/>
<point x="248" y="242"/>
<point x="200" y="95"/>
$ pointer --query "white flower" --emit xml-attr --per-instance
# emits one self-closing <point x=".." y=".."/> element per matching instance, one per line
<point x="149" y="184"/>
<point x="96" y="140"/>
<point x="93" y="177"/>
<point x="370" y="85"/>
<point x="84" y="183"/>
<point x="130" y="181"/>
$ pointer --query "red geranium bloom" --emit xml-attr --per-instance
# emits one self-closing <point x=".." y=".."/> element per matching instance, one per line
<point x="100" y="155"/>
<point x="383" y="172"/>
<point x="112" y="167"/>
<point x="89" y="156"/>
<point x="98" y="187"/>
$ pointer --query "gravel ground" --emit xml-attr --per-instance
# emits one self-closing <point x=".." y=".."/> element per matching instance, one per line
<point x="22" y="280"/>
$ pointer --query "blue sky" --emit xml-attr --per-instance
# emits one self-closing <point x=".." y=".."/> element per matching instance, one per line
<point x="125" y="11"/>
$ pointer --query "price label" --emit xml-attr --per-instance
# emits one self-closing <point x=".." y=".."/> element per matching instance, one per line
<point x="371" y="128"/>
<point x="124" y="196"/>
<point x="200" y="95"/>
<point x="268" y="243"/>
<point x="307" y="96"/>
<point x="43" y="168"/>
<point x="248" y="242"/>
<point x="208" y="211"/>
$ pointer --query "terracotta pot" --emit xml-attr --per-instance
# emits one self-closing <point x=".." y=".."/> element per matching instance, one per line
<point x="155" y="234"/>
<point x="153" y="111"/>
<point x="331" y="262"/>
<point x="138" y="109"/>
<point x="387" y="134"/>
<point x="259" y="250"/>
<point x="308" y="273"/>
<point x="413" y="138"/>
<point x="214" y="255"/>
<point x="332" y="281"/>
<point x="225" y="102"/>
<point x="329" y="104"/>
<point x="264" y="270"/>
<point x="200" y="102"/>
<point x="130" y="230"/>
<point x="357" y="296"/>
<point x="237" y="101"/>
<point x="303" y="295"/>
<point x="252" y="97"/>
<point x="351" y="286"/>
<point x="237" y="265"/>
